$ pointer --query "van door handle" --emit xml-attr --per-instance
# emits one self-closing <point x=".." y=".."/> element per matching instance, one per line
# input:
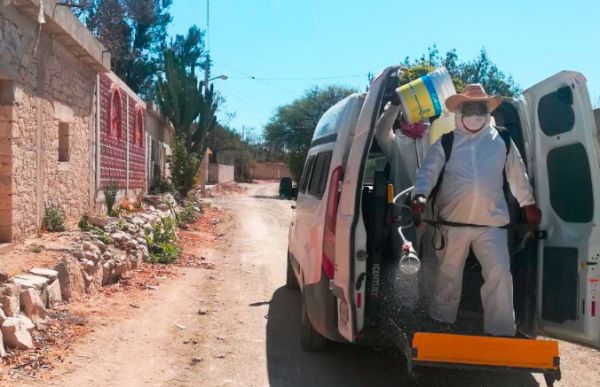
<point x="293" y="207"/>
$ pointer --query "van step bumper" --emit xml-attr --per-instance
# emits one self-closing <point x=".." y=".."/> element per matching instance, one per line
<point x="450" y="350"/>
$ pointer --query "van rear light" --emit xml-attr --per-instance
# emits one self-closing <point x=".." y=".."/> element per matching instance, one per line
<point x="333" y="199"/>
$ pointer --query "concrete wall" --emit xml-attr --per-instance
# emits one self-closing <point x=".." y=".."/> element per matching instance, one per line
<point x="219" y="173"/>
<point x="159" y="132"/>
<point x="203" y="171"/>
<point x="45" y="84"/>
<point x="270" y="171"/>
<point x="122" y="134"/>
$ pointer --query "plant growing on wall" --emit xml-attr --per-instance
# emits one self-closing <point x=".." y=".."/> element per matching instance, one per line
<point x="111" y="189"/>
<point x="54" y="218"/>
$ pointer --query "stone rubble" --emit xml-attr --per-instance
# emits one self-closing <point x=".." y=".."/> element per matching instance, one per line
<point x="94" y="259"/>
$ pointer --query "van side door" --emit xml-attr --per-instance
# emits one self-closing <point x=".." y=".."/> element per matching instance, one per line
<point x="567" y="182"/>
<point x="350" y="239"/>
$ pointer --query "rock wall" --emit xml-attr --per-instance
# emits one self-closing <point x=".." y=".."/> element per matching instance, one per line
<point x="45" y="86"/>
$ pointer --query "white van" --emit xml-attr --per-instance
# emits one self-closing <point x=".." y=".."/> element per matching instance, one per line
<point x="339" y="260"/>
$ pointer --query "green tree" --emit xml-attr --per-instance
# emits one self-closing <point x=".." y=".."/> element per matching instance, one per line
<point x="481" y="69"/>
<point x="222" y="139"/>
<point x="291" y="128"/>
<point x="135" y="32"/>
<point x="190" y="48"/>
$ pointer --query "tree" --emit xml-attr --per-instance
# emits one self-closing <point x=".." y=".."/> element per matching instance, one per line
<point x="291" y="128"/>
<point x="481" y="69"/>
<point x="135" y="32"/>
<point x="190" y="48"/>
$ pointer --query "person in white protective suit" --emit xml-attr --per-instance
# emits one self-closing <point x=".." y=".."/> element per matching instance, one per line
<point x="402" y="148"/>
<point x="471" y="209"/>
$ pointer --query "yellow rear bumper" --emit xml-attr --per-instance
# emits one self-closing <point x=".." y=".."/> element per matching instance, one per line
<point x="447" y="349"/>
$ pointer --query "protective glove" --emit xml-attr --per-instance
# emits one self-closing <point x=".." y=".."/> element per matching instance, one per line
<point x="395" y="98"/>
<point x="418" y="205"/>
<point x="533" y="214"/>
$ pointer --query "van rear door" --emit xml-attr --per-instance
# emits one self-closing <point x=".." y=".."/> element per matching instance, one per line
<point x="350" y="239"/>
<point x="567" y="182"/>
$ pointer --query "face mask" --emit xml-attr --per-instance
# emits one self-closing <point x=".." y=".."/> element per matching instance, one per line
<point x="474" y="123"/>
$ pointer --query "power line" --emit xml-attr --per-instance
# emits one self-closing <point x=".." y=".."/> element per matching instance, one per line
<point x="244" y="99"/>
<point x="307" y="79"/>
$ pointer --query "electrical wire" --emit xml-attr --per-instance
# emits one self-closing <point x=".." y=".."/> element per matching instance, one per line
<point x="244" y="99"/>
<point x="265" y="81"/>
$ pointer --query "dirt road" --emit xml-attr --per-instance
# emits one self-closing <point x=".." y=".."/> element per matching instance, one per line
<point x="248" y="332"/>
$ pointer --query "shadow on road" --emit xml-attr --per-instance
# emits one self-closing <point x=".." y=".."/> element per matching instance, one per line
<point x="349" y="365"/>
<point x="275" y="197"/>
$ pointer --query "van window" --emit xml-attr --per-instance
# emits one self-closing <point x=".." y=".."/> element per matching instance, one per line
<point x="570" y="177"/>
<point x="555" y="112"/>
<point x="306" y="173"/>
<point x="319" y="174"/>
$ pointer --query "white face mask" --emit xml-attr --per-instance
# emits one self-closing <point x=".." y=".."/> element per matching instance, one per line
<point x="474" y="123"/>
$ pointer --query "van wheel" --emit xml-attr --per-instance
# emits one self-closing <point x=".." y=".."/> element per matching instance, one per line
<point x="291" y="281"/>
<point x="311" y="340"/>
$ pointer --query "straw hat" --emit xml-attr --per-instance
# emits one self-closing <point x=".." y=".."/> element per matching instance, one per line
<point x="472" y="93"/>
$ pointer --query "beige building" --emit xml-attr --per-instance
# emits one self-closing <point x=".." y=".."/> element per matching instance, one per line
<point x="48" y="72"/>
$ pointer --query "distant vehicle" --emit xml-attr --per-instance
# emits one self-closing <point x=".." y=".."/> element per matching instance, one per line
<point x="341" y="263"/>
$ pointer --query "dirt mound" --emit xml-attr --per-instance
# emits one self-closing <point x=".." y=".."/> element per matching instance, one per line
<point x="226" y="189"/>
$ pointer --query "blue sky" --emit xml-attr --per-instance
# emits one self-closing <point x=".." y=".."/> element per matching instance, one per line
<point x="289" y="44"/>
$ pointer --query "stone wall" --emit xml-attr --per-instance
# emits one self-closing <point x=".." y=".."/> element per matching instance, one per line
<point x="47" y="85"/>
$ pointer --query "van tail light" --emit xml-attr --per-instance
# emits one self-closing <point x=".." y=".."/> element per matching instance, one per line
<point x="333" y="199"/>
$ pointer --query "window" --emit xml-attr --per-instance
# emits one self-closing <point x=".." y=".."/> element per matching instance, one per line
<point x="555" y="112"/>
<point x="306" y="173"/>
<point x="569" y="177"/>
<point x="115" y="114"/>
<point x="139" y="127"/>
<point x="63" y="142"/>
<point x="320" y="172"/>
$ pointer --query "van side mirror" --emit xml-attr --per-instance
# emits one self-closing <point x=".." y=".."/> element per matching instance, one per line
<point x="294" y="193"/>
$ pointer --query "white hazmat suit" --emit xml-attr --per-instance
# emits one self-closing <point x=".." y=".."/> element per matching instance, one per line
<point x="402" y="152"/>
<point x="472" y="193"/>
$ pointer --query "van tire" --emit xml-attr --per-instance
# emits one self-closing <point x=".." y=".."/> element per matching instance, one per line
<point x="291" y="282"/>
<point x="311" y="340"/>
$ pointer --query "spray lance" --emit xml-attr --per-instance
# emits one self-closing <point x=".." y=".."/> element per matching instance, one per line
<point x="410" y="263"/>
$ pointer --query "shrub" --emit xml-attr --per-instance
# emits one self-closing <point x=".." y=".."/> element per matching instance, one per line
<point x="54" y="218"/>
<point x="105" y="238"/>
<point x="122" y="224"/>
<point x="163" y="186"/>
<point x="84" y="223"/>
<point x="187" y="215"/>
<point x="184" y="167"/>
<point x="165" y="253"/>
<point x="111" y="189"/>
<point x="160" y="242"/>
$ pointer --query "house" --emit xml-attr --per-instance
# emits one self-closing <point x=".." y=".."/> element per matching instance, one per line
<point x="49" y="66"/>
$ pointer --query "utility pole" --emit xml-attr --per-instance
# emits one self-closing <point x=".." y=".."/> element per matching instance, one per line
<point x="242" y="161"/>
<point x="207" y="62"/>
